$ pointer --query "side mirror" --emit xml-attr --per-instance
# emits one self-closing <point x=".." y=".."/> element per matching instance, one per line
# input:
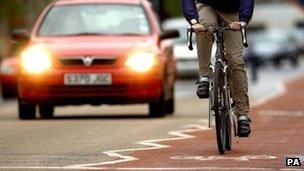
<point x="20" y="35"/>
<point x="169" y="34"/>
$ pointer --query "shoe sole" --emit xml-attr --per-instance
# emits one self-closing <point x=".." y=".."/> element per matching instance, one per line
<point x="203" y="97"/>
<point x="243" y="136"/>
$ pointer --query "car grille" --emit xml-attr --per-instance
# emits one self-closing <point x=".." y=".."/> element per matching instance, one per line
<point x="95" y="61"/>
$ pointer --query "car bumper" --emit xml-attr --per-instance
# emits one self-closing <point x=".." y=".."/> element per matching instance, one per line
<point x="8" y="80"/>
<point x="126" y="88"/>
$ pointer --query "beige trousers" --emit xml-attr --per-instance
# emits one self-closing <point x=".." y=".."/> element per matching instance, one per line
<point x="234" y="52"/>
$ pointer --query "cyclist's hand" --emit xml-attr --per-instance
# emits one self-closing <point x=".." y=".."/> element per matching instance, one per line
<point x="235" y="25"/>
<point x="198" y="28"/>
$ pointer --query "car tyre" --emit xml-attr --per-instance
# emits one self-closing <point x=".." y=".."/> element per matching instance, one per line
<point x="277" y="63"/>
<point x="46" y="111"/>
<point x="294" y="61"/>
<point x="8" y="92"/>
<point x="170" y="107"/>
<point x="170" y="103"/>
<point x="157" y="108"/>
<point x="27" y="110"/>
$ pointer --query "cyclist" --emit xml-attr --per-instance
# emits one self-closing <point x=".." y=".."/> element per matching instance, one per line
<point x="205" y="14"/>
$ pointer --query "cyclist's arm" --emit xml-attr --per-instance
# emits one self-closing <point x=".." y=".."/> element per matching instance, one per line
<point x="246" y="10"/>
<point x="189" y="10"/>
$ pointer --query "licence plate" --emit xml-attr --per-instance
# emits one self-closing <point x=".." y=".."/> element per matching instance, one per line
<point x="88" y="79"/>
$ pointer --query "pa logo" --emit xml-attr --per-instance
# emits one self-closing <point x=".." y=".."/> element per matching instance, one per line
<point x="293" y="161"/>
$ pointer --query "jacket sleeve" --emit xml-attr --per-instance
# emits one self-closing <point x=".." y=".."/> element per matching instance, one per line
<point x="246" y="10"/>
<point x="189" y="10"/>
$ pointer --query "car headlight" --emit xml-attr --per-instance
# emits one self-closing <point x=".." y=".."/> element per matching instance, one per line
<point x="36" y="59"/>
<point x="141" y="61"/>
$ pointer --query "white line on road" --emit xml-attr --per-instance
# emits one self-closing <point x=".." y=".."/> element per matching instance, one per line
<point x="212" y="158"/>
<point x="154" y="144"/>
<point x="281" y="113"/>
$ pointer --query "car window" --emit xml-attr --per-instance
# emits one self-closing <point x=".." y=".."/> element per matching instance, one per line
<point x="104" y="19"/>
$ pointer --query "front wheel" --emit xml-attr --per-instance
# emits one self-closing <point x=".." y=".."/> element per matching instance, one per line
<point x="8" y="92"/>
<point x="228" y="134"/>
<point x="46" y="111"/>
<point x="220" y="109"/>
<point x="170" y="104"/>
<point x="27" y="110"/>
<point x="157" y="109"/>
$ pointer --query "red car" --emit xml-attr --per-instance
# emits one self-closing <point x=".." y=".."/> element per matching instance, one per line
<point x="96" y="52"/>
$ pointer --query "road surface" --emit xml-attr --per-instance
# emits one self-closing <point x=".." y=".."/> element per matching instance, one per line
<point x="123" y="137"/>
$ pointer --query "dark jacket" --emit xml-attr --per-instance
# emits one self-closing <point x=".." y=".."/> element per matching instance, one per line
<point x="244" y="7"/>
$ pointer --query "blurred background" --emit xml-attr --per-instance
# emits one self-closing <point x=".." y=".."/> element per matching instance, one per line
<point x="277" y="25"/>
<point x="276" y="36"/>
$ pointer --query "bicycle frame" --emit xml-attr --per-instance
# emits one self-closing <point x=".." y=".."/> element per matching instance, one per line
<point x="221" y="59"/>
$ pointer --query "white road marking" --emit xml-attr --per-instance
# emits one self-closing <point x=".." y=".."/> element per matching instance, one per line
<point x="237" y="158"/>
<point x="281" y="113"/>
<point x="153" y="145"/>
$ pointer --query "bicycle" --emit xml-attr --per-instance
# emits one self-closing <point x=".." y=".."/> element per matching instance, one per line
<point x="220" y="101"/>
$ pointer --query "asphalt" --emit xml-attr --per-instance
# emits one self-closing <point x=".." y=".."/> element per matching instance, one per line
<point x="79" y="136"/>
<point x="278" y="131"/>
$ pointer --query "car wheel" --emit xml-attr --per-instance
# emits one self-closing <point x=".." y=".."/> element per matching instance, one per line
<point x="157" y="108"/>
<point x="26" y="110"/>
<point x="8" y="92"/>
<point x="277" y="63"/>
<point x="46" y="111"/>
<point x="170" y="107"/>
<point x="170" y="103"/>
<point x="294" y="61"/>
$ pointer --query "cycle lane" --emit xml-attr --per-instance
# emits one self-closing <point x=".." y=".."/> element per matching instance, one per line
<point x="278" y="132"/>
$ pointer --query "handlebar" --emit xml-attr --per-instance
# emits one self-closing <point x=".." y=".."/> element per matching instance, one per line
<point x="189" y="37"/>
<point x="243" y="30"/>
<point x="244" y="34"/>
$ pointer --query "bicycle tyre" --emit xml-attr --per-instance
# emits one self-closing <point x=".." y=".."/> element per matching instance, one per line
<point x="228" y="134"/>
<point x="220" y="127"/>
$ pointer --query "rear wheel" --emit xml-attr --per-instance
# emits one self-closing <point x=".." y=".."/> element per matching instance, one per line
<point x="46" y="111"/>
<point x="219" y="108"/>
<point x="26" y="110"/>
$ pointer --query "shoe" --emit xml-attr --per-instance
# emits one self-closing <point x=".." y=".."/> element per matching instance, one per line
<point x="243" y="126"/>
<point x="203" y="87"/>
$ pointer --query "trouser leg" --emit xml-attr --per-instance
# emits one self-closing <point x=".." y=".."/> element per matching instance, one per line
<point x="238" y="75"/>
<point x="207" y="17"/>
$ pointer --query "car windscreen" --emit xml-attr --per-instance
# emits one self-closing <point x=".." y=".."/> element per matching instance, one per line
<point x="95" y="19"/>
